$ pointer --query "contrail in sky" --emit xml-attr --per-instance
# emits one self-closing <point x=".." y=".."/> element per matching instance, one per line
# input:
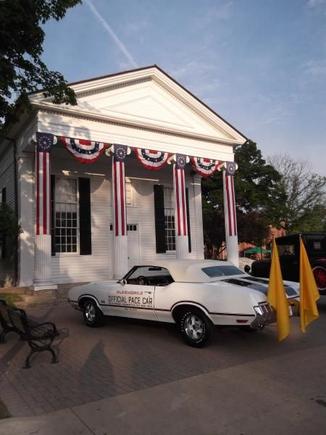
<point x="110" y="31"/>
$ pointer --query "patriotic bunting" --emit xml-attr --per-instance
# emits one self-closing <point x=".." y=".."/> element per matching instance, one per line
<point x="44" y="142"/>
<point x="120" y="153"/>
<point x="180" y="201"/>
<point x="205" y="167"/>
<point x="231" y="167"/>
<point x="180" y="160"/>
<point x="152" y="160"/>
<point x="85" y="151"/>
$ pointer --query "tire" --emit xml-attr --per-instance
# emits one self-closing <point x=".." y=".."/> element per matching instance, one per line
<point x="247" y="268"/>
<point x="92" y="315"/>
<point x="320" y="277"/>
<point x="195" y="328"/>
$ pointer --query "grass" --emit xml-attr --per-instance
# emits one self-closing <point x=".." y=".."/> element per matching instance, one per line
<point x="11" y="298"/>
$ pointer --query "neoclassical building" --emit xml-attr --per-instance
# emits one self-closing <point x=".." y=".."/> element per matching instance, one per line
<point x="115" y="180"/>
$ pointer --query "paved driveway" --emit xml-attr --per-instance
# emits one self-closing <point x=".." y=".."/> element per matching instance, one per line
<point x="125" y="356"/>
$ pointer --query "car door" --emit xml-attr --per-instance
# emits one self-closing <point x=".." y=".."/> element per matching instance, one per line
<point x="134" y="296"/>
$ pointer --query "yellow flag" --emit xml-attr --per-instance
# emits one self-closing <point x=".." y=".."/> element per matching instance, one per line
<point x="309" y="293"/>
<point x="276" y="296"/>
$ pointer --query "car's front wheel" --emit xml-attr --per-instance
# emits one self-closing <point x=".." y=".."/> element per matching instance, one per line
<point x="92" y="314"/>
<point x="195" y="328"/>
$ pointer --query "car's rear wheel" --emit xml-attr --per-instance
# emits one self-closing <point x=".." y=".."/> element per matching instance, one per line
<point x="195" y="328"/>
<point x="93" y="316"/>
<point x="320" y="277"/>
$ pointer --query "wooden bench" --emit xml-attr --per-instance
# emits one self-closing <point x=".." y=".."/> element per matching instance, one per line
<point x="39" y="336"/>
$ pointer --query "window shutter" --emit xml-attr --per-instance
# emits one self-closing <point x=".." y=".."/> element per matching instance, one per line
<point x="188" y="219"/>
<point x="85" y="233"/>
<point x="52" y="215"/>
<point x="159" y="219"/>
<point x="3" y="238"/>
<point x="4" y="195"/>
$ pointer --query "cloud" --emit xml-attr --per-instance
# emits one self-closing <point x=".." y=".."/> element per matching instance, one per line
<point x="220" y="12"/>
<point x="315" y="3"/>
<point x="112" y="34"/>
<point x="315" y="68"/>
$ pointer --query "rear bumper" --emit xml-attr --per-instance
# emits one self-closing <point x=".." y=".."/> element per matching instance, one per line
<point x="265" y="315"/>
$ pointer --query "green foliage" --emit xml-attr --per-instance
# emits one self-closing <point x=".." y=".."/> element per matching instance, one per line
<point x="21" y="46"/>
<point x="305" y="205"/>
<point x="260" y="198"/>
<point x="11" y="298"/>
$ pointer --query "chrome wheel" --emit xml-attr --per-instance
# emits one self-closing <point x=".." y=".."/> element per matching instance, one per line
<point x="93" y="316"/>
<point x="90" y="312"/>
<point x="194" y="327"/>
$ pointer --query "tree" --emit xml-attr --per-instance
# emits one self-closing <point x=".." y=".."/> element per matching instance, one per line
<point x="259" y="198"/>
<point x="305" y="206"/>
<point x="21" y="39"/>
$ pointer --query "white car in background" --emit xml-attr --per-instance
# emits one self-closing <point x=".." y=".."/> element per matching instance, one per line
<point x="194" y="294"/>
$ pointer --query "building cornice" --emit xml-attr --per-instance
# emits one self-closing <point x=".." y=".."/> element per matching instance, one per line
<point x="69" y="111"/>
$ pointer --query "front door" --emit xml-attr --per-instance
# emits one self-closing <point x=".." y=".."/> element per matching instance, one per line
<point x="134" y="297"/>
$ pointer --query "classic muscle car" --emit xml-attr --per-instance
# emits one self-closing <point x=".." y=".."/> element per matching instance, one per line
<point x="194" y="294"/>
<point x="289" y="253"/>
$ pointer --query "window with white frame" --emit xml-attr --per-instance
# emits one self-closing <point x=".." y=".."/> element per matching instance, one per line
<point x="66" y="215"/>
<point x="169" y="219"/>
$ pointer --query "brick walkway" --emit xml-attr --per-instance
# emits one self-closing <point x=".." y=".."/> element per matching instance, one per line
<point x="120" y="357"/>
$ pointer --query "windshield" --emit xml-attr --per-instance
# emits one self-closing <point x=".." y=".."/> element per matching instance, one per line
<point x="216" y="271"/>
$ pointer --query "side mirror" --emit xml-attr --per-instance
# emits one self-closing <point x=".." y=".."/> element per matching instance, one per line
<point x="122" y="281"/>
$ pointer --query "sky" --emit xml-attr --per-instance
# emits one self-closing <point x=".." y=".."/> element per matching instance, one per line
<point x="260" y="64"/>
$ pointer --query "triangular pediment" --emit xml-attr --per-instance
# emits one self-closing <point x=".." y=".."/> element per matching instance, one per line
<point x="151" y="99"/>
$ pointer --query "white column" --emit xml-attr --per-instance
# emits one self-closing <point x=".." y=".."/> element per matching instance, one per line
<point x="120" y="261"/>
<point x="42" y="263"/>
<point x="230" y="218"/>
<point x="181" y="226"/>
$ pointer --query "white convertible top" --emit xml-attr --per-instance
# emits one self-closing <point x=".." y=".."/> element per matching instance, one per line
<point x="190" y="270"/>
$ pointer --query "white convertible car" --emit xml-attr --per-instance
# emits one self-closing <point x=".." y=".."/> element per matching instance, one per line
<point x="195" y="294"/>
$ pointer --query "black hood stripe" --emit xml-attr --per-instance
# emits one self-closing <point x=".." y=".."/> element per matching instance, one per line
<point x="244" y="283"/>
<point x="289" y="290"/>
<point x="251" y="283"/>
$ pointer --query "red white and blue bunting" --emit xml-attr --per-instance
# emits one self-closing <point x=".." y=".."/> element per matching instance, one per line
<point x="88" y="151"/>
<point x="206" y="167"/>
<point x="179" y="184"/>
<point x="153" y="160"/>
<point x="84" y="150"/>
<point x="44" y="143"/>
